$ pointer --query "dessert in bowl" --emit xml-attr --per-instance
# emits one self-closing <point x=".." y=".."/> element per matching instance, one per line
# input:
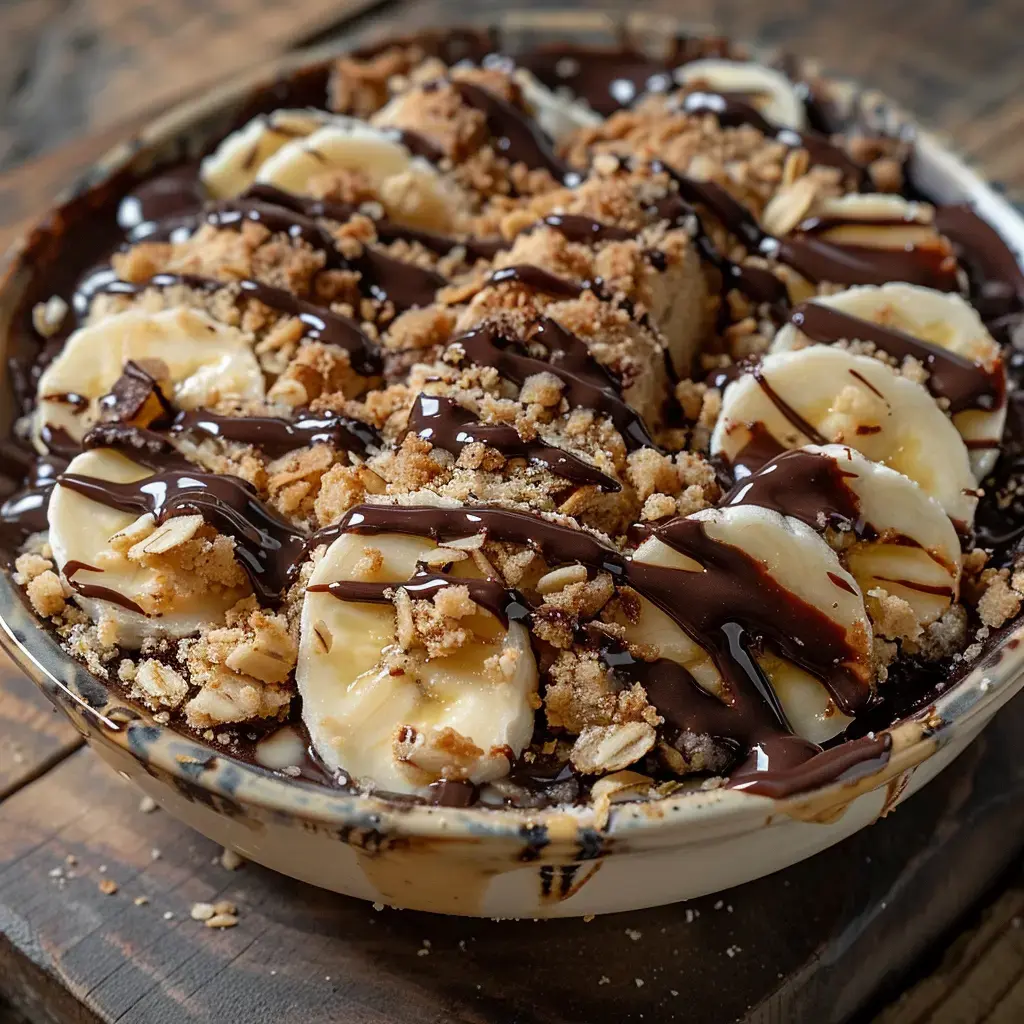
<point x="465" y="482"/>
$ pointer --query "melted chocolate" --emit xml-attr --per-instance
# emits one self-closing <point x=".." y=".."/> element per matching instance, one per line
<point x="321" y="323"/>
<point x="387" y="231"/>
<point x="815" y="258"/>
<point x="788" y="411"/>
<point x="518" y="137"/>
<point x="966" y="384"/>
<point x="446" y="424"/>
<point x="276" y="436"/>
<point x="266" y="546"/>
<point x="730" y="608"/>
<point x="587" y="384"/>
<point x="537" y="279"/>
<point x="172" y="195"/>
<point x="612" y="78"/>
<point x="381" y="276"/>
<point x="506" y="605"/>
<point x="95" y="590"/>
<point x="585" y="230"/>
<point x="806" y="485"/>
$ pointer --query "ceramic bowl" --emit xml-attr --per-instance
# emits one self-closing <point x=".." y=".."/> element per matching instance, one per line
<point x="496" y="863"/>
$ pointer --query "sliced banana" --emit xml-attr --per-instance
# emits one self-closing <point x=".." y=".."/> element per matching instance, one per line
<point x="856" y="401"/>
<point x="207" y="362"/>
<point x="797" y="558"/>
<point x="231" y="168"/>
<point x="940" y="318"/>
<point x="907" y="545"/>
<point x="558" y="116"/>
<point x="770" y="91"/>
<point x="129" y="559"/>
<point x="455" y="716"/>
<point x="411" y="190"/>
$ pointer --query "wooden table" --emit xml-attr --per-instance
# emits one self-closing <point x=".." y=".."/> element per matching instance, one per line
<point x="927" y="902"/>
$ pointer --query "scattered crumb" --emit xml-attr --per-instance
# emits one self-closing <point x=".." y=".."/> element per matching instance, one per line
<point x="147" y="805"/>
<point x="230" y="860"/>
<point x="108" y="886"/>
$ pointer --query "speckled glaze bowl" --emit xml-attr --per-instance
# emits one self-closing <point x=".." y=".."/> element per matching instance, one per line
<point x="554" y="862"/>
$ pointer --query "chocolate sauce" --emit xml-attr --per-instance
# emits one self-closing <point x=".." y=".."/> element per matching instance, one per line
<point x="966" y="384"/>
<point x="95" y="590"/>
<point x="387" y="231"/>
<point x="276" y="436"/>
<point x="586" y="384"/>
<point x="321" y="323"/>
<point x="381" y="276"/>
<point x="730" y="608"/>
<point x="536" y="279"/>
<point x="517" y="135"/>
<point x="787" y="410"/>
<point x="446" y="424"/>
<point x="266" y="545"/>
<point x="609" y="79"/>
<point x="806" y="485"/>
<point x="815" y="258"/>
<point x="504" y="604"/>
<point x="175" y="194"/>
<point x="585" y="230"/>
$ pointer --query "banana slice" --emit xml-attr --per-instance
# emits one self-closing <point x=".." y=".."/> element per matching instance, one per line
<point x="897" y="538"/>
<point x="207" y="362"/>
<point x="127" y="560"/>
<point x="770" y="91"/>
<point x="558" y="116"/>
<point x="411" y="190"/>
<point x="796" y="558"/>
<point x="400" y="720"/>
<point x="231" y="168"/>
<point x="827" y="395"/>
<point x="943" y="319"/>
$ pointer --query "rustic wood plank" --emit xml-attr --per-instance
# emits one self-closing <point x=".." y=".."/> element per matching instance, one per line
<point x="980" y="975"/>
<point x="337" y="959"/>
<point x="33" y="735"/>
<point x="69" y="68"/>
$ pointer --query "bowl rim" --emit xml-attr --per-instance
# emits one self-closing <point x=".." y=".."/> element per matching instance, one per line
<point x="997" y="676"/>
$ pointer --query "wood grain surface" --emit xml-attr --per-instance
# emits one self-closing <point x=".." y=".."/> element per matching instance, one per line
<point x="811" y="944"/>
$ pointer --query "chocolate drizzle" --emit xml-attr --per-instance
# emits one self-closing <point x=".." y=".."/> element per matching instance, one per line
<point x="446" y="424"/>
<point x="585" y="230"/>
<point x="387" y="231"/>
<point x="276" y="436"/>
<point x="96" y="590"/>
<point x="381" y="276"/>
<point x="815" y="258"/>
<point x="809" y="486"/>
<point x="787" y="410"/>
<point x="517" y="135"/>
<point x="587" y="384"/>
<point x="730" y="608"/>
<point x="506" y="605"/>
<point x="964" y="383"/>
<point x="320" y="323"/>
<point x="266" y="546"/>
